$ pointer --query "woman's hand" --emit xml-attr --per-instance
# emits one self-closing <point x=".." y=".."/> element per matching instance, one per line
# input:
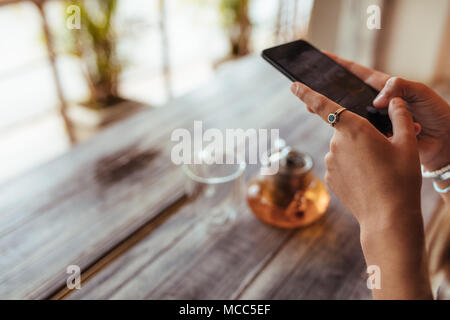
<point x="428" y="109"/>
<point x="372" y="175"/>
<point x="379" y="180"/>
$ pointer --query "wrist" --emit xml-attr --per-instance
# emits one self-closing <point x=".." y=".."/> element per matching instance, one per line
<point x="398" y="249"/>
<point x="436" y="164"/>
<point x="393" y="220"/>
<point x="440" y="160"/>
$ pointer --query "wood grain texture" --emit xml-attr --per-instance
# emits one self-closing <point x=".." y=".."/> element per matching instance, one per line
<point x="166" y="236"/>
<point x="134" y="275"/>
<point x="75" y="209"/>
<point x="181" y="260"/>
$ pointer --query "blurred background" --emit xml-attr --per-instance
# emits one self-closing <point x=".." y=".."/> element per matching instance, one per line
<point x="60" y="86"/>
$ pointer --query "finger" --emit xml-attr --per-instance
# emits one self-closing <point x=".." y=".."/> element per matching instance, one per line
<point x="397" y="87"/>
<point x="322" y="106"/>
<point x="402" y="122"/>
<point x="316" y="102"/>
<point x="373" y="78"/>
<point x="417" y="128"/>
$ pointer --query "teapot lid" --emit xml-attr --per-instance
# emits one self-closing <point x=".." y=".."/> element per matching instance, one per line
<point x="291" y="161"/>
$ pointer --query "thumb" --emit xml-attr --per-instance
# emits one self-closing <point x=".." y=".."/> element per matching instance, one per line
<point x="402" y="121"/>
<point x="398" y="87"/>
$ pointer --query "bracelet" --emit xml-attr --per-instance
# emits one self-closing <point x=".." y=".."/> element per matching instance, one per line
<point x="435" y="174"/>
<point x="444" y="176"/>
<point x="440" y="190"/>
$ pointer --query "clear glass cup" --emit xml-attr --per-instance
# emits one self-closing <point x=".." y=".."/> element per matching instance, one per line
<point x="217" y="191"/>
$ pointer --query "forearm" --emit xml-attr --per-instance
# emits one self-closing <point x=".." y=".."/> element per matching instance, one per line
<point x="397" y="247"/>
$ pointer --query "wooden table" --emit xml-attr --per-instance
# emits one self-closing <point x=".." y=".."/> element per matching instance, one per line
<point x="115" y="206"/>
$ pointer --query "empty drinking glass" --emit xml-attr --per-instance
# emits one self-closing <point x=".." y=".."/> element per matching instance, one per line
<point x="216" y="191"/>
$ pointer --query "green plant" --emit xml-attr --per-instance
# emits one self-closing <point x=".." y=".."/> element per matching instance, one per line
<point x="235" y="19"/>
<point x="95" y="44"/>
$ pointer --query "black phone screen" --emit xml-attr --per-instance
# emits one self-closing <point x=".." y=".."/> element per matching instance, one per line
<point x="302" y="62"/>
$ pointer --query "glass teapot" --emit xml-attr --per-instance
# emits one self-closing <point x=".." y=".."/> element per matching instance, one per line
<point x="294" y="196"/>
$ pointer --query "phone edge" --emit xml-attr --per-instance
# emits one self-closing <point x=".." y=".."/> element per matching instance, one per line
<point x="278" y="67"/>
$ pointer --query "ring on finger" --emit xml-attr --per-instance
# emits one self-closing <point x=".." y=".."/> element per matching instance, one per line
<point x="333" y="117"/>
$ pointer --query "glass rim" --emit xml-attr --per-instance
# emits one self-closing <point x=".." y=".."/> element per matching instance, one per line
<point x="215" y="180"/>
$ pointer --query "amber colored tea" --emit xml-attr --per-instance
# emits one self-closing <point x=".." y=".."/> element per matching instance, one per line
<point x="294" y="197"/>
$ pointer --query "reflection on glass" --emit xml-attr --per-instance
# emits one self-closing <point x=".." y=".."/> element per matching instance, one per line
<point x="216" y="191"/>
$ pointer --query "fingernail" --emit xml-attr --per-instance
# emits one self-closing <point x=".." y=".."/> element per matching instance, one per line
<point x="294" y="88"/>
<point x="396" y="100"/>
<point x="417" y="128"/>
<point x="379" y="97"/>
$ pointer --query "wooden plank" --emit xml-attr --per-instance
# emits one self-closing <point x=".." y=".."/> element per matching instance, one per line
<point x="321" y="262"/>
<point x="179" y="260"/>
<point x="76" y="208"/>
<point x="143" y="131"/>
<point x="252" y="260"/>
<point x="333" y="268"/>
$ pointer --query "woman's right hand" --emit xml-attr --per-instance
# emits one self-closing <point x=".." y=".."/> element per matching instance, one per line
<point x="429" y="110"/>
<point x="432" y="113"/>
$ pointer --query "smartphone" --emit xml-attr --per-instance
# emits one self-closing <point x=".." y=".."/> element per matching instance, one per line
<point x="300" y="61"/>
